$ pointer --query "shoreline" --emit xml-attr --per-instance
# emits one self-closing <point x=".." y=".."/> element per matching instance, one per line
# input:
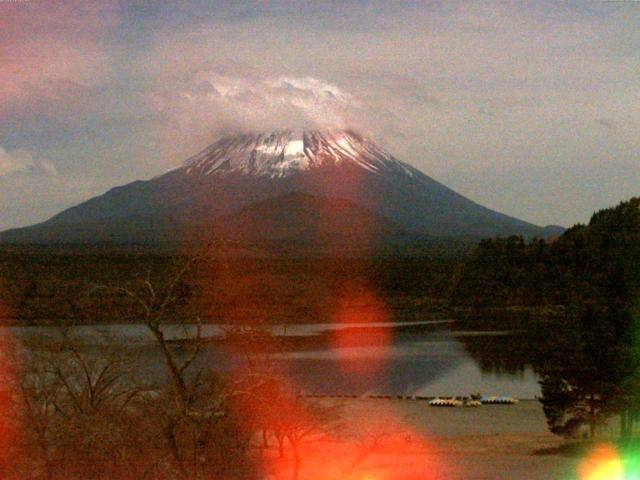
<point x="419" y="442"/>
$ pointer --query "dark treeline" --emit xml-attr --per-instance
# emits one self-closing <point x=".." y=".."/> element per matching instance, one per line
<point x="41" y="287"/>
<point x="47" y="286"/>
<point x="594" y="264"/>
<point x="576" y="297"/>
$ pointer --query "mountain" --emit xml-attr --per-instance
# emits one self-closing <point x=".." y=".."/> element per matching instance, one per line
<point x="274" y="185"/>
<point x="306" y="219"/>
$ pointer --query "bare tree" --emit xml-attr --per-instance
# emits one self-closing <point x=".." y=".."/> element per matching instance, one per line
<point x="273" y="406"/>
<point x="89" y="415"/>
<point x="297" y="420"/>
<point x="367" y="438"/>
<point x="73" y="402"/>
<point x="196" y="409"/>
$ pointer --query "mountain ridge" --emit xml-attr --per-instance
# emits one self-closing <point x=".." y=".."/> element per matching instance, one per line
<point x="243" y="170"/>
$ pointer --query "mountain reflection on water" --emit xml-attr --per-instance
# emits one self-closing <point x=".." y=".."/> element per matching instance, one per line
<point x="421" y="362"/>
<point x="418" y="359"/>
<point x="506" y="353"/>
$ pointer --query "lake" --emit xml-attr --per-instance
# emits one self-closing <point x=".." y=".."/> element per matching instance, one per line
<point x="409" y="358"/>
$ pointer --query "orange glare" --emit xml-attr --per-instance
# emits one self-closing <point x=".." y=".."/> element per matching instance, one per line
<point x="8" y="425"/>
<point x="358" y="338"/>
<point x="602" y="463"/>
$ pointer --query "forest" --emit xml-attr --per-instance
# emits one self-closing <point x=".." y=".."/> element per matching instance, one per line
<point x="577" y="299"/>
<point x="46" y="286"/>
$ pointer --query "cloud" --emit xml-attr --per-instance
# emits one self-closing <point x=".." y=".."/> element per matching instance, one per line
<point x="49" y="49"/>
<point x="216" y="102"/>
<point x="21" y="162"/>
<point x="211" y="104"/>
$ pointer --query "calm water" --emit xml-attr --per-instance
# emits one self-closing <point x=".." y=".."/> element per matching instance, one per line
<point x="431" y="361"/>
<point x="439" y="365"/>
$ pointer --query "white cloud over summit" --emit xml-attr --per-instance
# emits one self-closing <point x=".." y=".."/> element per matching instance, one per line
<point x="213" y="103"/>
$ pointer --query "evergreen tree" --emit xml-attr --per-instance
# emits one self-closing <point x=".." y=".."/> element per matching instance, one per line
<point x="588" y="356"/>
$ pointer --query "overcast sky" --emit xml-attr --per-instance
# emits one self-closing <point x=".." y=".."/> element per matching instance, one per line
<point x="532" y="109"/>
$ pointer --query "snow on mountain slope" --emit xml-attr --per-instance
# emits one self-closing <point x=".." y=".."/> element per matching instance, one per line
<point x="283" y="153"/>
<point x="239" y="171"/>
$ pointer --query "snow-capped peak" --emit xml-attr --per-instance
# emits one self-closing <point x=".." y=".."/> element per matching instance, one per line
<point x="285" y="152"/>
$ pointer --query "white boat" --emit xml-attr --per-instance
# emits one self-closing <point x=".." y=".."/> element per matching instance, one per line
<point x="500" y="400"/>
<point x="445" y="402"/>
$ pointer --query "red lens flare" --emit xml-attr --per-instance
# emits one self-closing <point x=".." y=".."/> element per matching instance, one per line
<point x="359" y="339"/>
<point x="376" y="443"/>
<point x="8" y="414"/>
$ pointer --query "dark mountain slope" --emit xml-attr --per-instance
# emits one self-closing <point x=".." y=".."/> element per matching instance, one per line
<point x="239" y="171"/>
